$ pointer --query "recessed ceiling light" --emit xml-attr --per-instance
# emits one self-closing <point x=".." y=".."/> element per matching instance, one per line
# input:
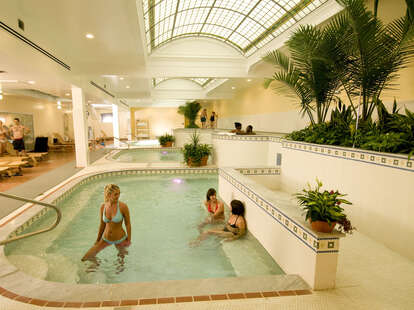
<point x="249" y="80"/>
<point x="121" y="78"/>
<point x="59" y="103"/>
<point x="59" y="107"/>
<point x="89" y="36"/>
<point x="31" y="82"/>
<point x="233" y="87"/>
<point x="127" y="86"/>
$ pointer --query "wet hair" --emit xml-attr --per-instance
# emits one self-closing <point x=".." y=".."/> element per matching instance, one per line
<point x="210" y="192"/>
<point x="109" y="190"/>
<point x="249" y="128"/>
<point x="16" y="119"/>
<point x="238" y="125"/>
<point x="237" y="207"/>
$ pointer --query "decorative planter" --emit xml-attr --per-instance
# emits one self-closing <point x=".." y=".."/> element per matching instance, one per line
<point x="321" y="226"/>
<point x="203" y="162"/>
<point x="167" y="144"/>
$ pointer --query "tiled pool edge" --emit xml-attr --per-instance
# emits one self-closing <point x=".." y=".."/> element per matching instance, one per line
<point x="59" y="193"/>
<point x="318" y="252"/>
<point x="150" y="301"/>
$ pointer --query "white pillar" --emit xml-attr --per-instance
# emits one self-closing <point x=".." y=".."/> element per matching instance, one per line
<point x="80" y="127"/>
<point x="115" y="123"/>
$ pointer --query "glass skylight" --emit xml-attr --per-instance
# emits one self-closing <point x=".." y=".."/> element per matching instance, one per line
<point x="245" y="24"/>
<point x="203" y="82"/>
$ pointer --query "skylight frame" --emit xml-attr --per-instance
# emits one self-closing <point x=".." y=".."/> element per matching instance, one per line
<point x="202" y="82"/>
<point x="229" y="21"/>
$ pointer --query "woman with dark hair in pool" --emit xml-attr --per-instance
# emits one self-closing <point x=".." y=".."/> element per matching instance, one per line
<point x="234" y="228"/>
<point x="112" y="214"/>
<point x="214" y="207"/>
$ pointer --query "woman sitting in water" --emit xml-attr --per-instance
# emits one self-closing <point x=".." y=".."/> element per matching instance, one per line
<point x="112" y="214"/>
<point x="214" y="207"/>
<point x="234" y="228"/>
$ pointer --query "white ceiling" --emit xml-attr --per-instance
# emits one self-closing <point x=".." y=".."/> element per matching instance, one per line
<point x="117" y="51"/>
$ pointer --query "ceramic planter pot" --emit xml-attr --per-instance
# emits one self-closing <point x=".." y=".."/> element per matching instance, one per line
<point x="167" y="144"/>
<point x="202" y="163"/>
<point x="321" y="226"/>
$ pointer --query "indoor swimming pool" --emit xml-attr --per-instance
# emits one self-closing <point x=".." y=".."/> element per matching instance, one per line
<point x="149" y="155"/>
<point x="165" y="211"/>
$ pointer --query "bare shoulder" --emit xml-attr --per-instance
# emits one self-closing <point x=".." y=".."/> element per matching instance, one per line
<point x="123" y="206"/>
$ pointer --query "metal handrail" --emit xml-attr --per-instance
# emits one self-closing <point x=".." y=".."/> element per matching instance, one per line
<point x="59" y="216"/>
<point x="115" y="138"/>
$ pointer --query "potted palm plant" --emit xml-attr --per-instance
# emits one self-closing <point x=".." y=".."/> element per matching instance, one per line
<point x="190" y="111"/>
<point x="166" y="140"/>
<point x="323" y="209"/>
<point x="196" y="154"/>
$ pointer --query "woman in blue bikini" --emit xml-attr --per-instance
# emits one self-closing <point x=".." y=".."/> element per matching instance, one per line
<point x="112" y="213"/>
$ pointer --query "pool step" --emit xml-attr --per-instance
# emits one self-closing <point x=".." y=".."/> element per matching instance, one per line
<point x="61" y="269"/>
<point x="249" y="258"/>
<point x="32" y="265"/>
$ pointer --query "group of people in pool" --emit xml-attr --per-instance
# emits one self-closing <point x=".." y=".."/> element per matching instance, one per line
<point x="113" y="213"/>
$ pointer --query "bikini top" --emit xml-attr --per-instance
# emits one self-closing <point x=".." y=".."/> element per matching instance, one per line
<point x="211" y="210"/>
<point x="234" y="224"/>
<point x="116" y="219"/>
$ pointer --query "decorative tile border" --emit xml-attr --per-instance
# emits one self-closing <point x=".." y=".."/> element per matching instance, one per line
<point x="304" y="234"/>
<point x="63" y="192"/>
<point x="149" y="301"/>
<point x="370" y="157"/>
<point x="255" y="138"/>
<point x="259" y="171"/>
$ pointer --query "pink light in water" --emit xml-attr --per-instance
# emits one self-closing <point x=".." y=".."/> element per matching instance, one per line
<point x="164" y="152"/>
<point x="177" y="181"/>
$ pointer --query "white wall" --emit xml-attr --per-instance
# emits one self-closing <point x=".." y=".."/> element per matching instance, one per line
<point x="382" y="205"/>
<point x="47" y="118"/>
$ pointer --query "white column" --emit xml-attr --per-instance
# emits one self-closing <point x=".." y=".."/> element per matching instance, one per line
<point x="115" y="123"/>
<point x="80" y="127"/>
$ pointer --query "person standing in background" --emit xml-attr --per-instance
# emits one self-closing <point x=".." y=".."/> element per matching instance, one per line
<point x="203" y="118"/>
<point x="213" y="120"/>
<point x="18" y="132"/>
<point x="4" y="133"/>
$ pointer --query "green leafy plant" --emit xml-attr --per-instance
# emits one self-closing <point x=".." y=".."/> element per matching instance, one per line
<point x="195" y="151"/>
<point x="324" y="206"/>
<point x="190" y="111"/>
<point x="166" y="138"/>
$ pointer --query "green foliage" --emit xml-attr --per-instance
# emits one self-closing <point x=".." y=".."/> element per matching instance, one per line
<point x="324" y="206"/>
<point x="392" y="132"/>
<point x="190" y="111"/>
<point x="195" y="150"/>
<point x="166" y="138"/>
<point x="355" y="52"/>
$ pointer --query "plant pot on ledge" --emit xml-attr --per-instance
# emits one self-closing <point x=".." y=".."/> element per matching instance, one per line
<point x="167" y="144"/>
<point x="321" y="226"/>
<point x="203" y="162"/>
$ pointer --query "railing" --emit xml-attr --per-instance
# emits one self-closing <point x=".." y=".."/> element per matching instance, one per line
<point x="122" y="141"/>
<point x="59" y="216"/>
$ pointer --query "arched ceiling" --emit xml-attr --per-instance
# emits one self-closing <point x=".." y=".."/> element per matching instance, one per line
<point x="203" y="82"/>
<point x="246" y="25"/>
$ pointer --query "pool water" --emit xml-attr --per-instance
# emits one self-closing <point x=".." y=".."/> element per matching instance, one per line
<point x="142" y="155"/>
<point x="165" y="211"/>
